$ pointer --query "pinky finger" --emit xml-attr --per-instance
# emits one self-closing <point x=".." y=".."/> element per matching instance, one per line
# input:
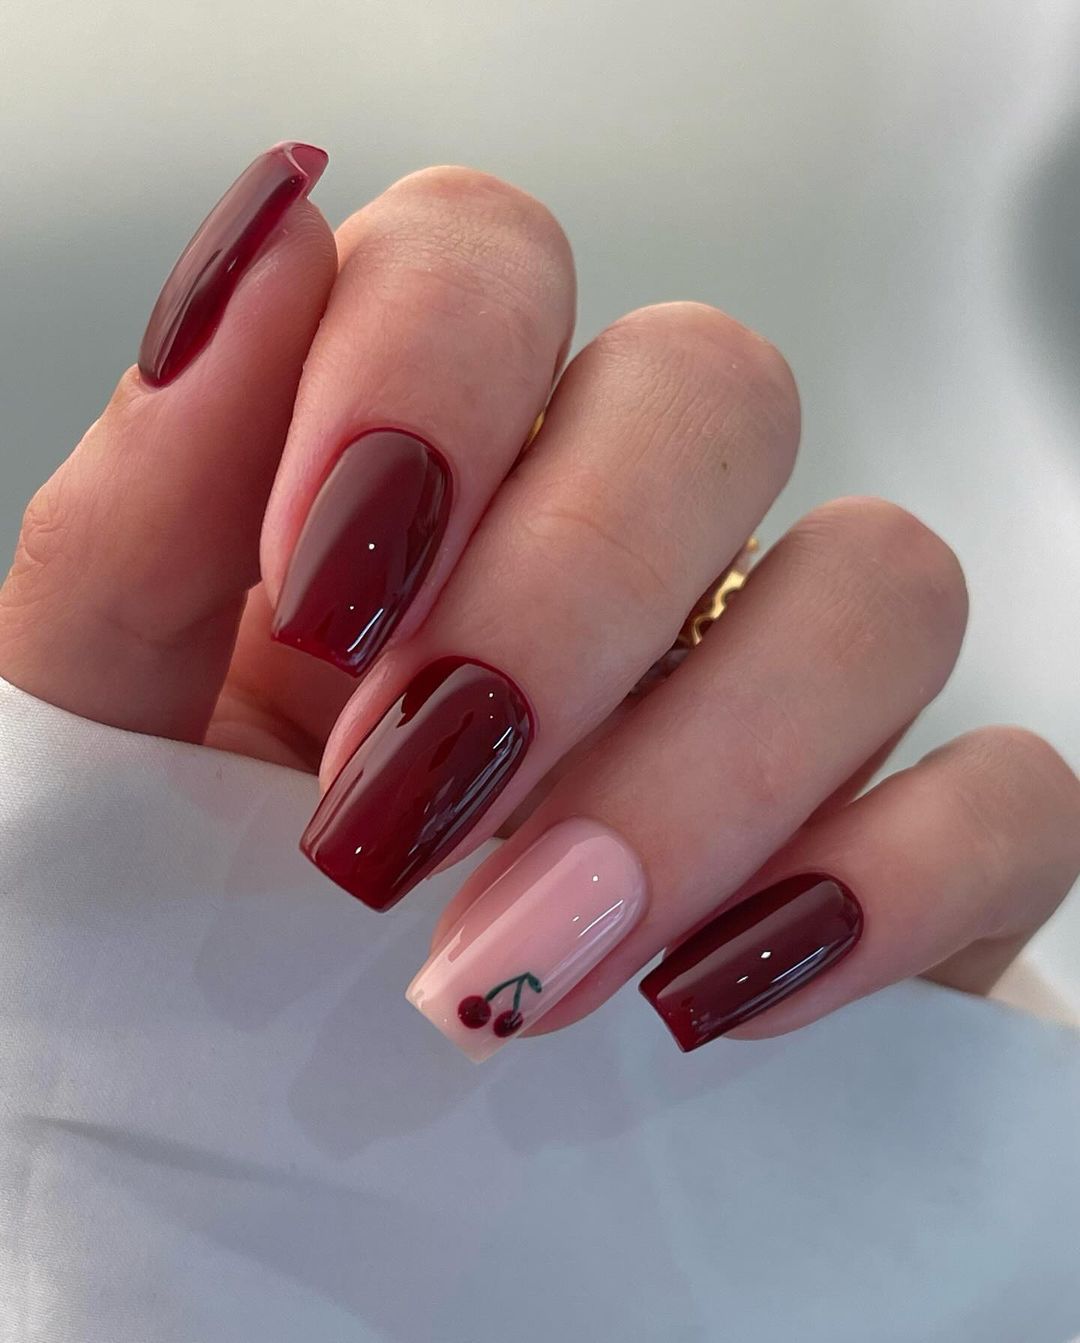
<point x="952" y="864"/>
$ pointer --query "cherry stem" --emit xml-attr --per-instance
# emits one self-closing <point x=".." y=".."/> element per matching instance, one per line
<point x="520" y="981"/>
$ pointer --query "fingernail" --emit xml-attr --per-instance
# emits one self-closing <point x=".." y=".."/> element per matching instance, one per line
<point x="420" y="780"/>
<point x="199" y="287"/>
<point x="534" y="933"/>
<point x="752" y="956"/>
<point x="365" y="548"/>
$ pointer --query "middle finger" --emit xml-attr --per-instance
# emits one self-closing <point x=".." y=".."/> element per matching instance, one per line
<point x="665" y="443"/>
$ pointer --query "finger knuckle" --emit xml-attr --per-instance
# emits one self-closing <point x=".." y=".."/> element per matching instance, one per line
<point x="985" y="789"/>
<point x="704" y="379"/>
<point x="709" y="341"/>
<point x="892" y="562"/>
<point x="472" y="233"/>
<point x="468" y="192"/>
<point x="1022" y="762"/>
<point x="574" y="535"/>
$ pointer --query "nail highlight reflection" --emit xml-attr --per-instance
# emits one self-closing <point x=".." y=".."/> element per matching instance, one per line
<point x="365" y="548"/>
<point x="753" y="956"/>
<point x="420" y="780"/>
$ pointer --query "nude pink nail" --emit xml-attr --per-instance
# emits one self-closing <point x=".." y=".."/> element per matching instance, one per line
<point x="532" y="936"/>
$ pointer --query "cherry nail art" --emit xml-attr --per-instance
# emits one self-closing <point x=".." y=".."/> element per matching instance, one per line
<point x="474" y="1011"/>
<point x="420" y="780"/>
<point x="753" y="956"/>
<point x="506" y="1023"/>
<point x="365" y="548"/>
<point x="195" y="295"/>
<point x="559" y="908"/>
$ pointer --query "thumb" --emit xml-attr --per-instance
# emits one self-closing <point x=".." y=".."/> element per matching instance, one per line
<point x="135" y="557"/>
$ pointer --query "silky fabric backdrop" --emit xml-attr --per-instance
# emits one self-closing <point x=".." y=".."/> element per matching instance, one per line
<point x="221" y="1122"/>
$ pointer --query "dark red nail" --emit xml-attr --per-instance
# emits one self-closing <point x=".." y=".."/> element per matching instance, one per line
<point x="201" y="283"/>
<point x="752" y="956"/>
<point x="365" y="548"/>
<point x="419" y="781"/>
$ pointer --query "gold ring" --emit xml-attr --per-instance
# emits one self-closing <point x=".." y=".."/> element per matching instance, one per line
<point x="714" y="603"/>
<point x="536" y="427"/>
<point x="711" y="607"/>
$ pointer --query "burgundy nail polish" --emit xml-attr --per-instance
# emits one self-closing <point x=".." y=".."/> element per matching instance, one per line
<point x="752" y="956"/>
<point x="210" y="267"/>
<point x="365" y="548"/>
<point x="419" y="781"/>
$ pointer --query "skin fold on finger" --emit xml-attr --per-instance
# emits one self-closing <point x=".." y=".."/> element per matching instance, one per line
<point x="664" y="443"/>
<point x="861" y="778"/>
<point x="452" y="311"/>
<point x="134" y="559"/>
<point x="274" y="705"/>
<point x="956" y="862"/>
<point x="846" y="629"/>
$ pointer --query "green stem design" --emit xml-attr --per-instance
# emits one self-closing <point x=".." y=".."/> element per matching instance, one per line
<point x="520" y="981"/>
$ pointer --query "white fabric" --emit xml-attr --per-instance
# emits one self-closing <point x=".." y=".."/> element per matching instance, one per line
<point x="219" y="1119"/>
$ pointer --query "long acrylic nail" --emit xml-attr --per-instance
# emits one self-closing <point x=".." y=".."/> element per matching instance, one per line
<point x="420" y="780"/>
<point x="195" y="295"/>
<point x="532" y="936"/>
<point x="365" y="548"/>
<point x="752" y="956"/>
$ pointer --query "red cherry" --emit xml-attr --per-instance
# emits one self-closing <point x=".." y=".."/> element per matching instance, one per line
<point x="474" y="1012"/>
<point x="506" y="1023"/>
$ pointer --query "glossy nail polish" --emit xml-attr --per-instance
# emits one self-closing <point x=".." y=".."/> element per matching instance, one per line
<point x="752" y="956"/>
<point x="195" y="295"/>
<point x="420" y="780"/>
<point x="365" y="548"/>
<point x="531" y="936"/>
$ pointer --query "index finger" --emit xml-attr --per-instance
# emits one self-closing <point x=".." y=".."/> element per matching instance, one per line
<point x="452" y="312"/>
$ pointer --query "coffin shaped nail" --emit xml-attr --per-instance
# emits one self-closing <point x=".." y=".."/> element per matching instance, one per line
<point x="420" y="780"/>
<point x="752" y="956"/>
<point x="365" y="548"/>
<point x="194" y="297"/>
<point x="533" y="935"/>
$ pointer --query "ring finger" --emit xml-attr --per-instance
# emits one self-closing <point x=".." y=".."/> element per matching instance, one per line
<point x="845" y="631"/>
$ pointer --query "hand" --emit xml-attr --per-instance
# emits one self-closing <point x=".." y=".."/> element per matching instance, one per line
<point x="454" y="627"/>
